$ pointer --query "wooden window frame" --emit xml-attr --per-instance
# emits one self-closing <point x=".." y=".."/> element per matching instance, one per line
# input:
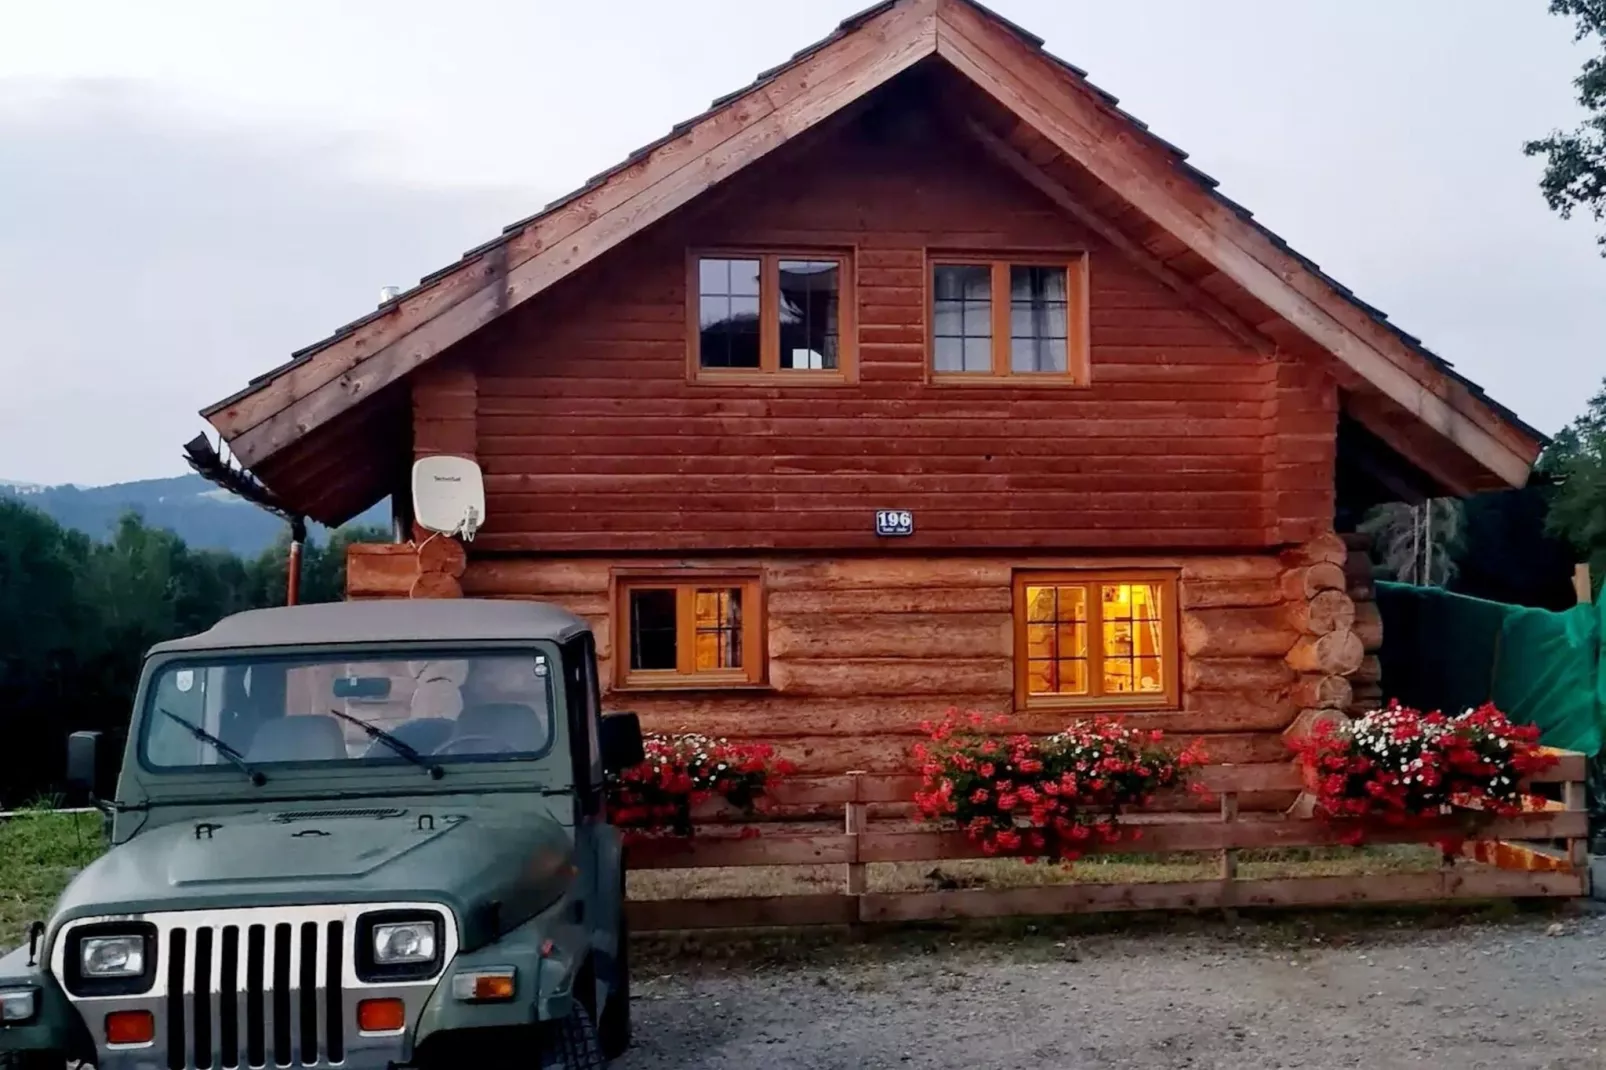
<point x="1078" y="341"/>
<point x="684" y="677"/>
<point x="1170" y="698"/>
<point x="769" y="372"/>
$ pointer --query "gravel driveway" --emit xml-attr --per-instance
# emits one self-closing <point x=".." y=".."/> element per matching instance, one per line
<point x="1529" y="991"/>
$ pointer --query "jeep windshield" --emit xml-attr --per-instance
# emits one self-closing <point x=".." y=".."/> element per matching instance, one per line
<point x="275" y="711"/>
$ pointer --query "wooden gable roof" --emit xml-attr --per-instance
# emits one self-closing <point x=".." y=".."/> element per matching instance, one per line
<point x="315" y="430"/>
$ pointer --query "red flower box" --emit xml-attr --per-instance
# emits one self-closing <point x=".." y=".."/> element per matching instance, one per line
<point x="1051" y="798"/>
<point x="1399" y="766"/>
<point x="681" y="771"/>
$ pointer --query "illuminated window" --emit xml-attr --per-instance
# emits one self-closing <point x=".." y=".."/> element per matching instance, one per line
<point x="703" y="632"/>
<point x="1096" y="639"/>
<point x="770" y="315"/>
<point x="1009" y="319"/>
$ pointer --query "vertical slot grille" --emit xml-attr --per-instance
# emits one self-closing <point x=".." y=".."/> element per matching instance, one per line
<point x="280" y="994"/>
<point x="245" y="990"/>
<point x="332" y="993"/>
<point x="228" y="1024"/>
<point x="307" y="993"/>
<point x="255" y="974"/>
<point x="176" y="1047"/>
<point x="201" y="1005"/>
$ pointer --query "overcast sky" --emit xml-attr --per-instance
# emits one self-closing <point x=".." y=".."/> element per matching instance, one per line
<point x="189" y="191"/>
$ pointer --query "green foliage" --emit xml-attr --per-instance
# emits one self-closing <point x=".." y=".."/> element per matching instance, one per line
<point x="1576" y="460"/>
<point x="323" y="565"/>
<point x="42" y="852"/>
<point x="1415" y="543"/>
<point x="1575" y="162"/>
<point x="77" y="616"/>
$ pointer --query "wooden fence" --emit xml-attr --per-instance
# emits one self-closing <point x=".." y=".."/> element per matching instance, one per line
<point x="1514" y="857"/>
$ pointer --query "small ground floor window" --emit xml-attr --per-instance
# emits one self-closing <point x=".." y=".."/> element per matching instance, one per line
<point x="1096" y="639"/>
<point x="681" y="631"/>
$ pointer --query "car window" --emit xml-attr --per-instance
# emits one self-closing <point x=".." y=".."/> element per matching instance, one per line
<point x="276" y="710"/>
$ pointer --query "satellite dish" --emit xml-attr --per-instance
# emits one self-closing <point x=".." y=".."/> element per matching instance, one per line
<point x="448" y="495"/>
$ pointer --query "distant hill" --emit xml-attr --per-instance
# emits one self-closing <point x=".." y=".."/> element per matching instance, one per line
<point x="199" y="513"/>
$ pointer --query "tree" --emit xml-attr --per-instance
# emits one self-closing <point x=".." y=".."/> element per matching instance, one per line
<point x="77" y="616"/>
<point x="323" y="566"/>
<point x="40" y="620"/>
<point x="1575" y="163"/>
<point x="1576" y="460"/>
<point x="1415" y="543"/>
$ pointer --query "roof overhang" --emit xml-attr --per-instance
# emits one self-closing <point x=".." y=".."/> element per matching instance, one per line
<point x="1042" y="118"/>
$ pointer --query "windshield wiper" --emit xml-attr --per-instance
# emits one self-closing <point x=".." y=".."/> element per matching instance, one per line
<point x="402" y="748"/>
<point x="235" y="757"/>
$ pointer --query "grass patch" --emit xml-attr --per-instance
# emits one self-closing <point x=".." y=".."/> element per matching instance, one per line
<point x="40" y="851"/>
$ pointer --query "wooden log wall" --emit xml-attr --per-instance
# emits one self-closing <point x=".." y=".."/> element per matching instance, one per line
<point x="1326" y="650"/>
<point x="1189" y="449"/>
<point x="862" y="650"/>
<point x="594" y="441"/>
<point x="1368" y="679"/>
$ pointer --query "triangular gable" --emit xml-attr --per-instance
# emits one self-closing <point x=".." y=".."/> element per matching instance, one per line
<point x="1051" y="101"/>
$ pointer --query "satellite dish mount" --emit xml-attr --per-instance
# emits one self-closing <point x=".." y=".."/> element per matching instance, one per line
<point x="448" y="496"/>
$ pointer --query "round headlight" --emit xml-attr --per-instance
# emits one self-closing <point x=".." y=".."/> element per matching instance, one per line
<point x="404" y="943"/>
<point x="112" y="956"/>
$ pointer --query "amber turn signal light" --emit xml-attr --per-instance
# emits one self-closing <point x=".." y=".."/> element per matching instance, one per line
<point x="490" y="986"/>
<point x="130" y="1027"/>
<point x="381" y="1015"/>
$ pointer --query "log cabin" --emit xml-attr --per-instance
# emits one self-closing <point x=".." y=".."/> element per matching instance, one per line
<point x="914" y="374"/>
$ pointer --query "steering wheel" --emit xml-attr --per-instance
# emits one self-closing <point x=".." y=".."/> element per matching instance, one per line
<point x="456" y="745"/>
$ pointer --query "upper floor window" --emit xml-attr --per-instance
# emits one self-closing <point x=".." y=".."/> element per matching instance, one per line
<point x="1002" y="319"/>
<point x="771" y="315"/>
<point x="683" y="631"/>
<point x="1106" y="639"/>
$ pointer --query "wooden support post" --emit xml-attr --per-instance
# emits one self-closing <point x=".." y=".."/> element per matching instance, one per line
<point x="1581" y="584"/>
<point x="1229" y="855"/>
<point x="857" y="811"/>
<point x="1574" y="796"/>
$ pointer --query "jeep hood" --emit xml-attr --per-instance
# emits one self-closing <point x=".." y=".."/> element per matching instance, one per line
<point x="493" y="867"/>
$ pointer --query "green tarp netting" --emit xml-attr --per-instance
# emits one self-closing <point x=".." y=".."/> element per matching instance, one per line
<point x="1449" y="651"/>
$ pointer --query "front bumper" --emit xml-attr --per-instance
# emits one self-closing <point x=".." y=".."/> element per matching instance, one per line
<point x="153" y="1060"/>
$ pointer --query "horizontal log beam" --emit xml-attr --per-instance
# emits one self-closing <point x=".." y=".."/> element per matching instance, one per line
<point x="1147" y="834"/>
<point x="758" y="912"/>
<point x="795" y="910"/>
<point x="1197" y="895"/>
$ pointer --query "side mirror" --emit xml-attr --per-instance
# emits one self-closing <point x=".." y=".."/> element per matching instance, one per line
<point x="621" y="741"/>
<point x="83" y="761"/>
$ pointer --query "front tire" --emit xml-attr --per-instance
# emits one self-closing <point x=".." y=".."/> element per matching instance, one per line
<point x="613" y="1024"/>
<point x="570" y="1044"/>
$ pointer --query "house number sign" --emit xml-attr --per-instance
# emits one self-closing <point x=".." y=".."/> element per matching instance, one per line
<point x="894" y="522"/>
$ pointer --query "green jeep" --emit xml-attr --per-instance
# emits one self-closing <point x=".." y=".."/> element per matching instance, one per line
<point x="363" y="835"/>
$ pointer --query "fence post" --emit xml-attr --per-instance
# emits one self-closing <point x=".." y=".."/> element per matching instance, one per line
<point x="856" y="814"/>
<point x="1574" y="796"/>
<point x="1229" y="855"/>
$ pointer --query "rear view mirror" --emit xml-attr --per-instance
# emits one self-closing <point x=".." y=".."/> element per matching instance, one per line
<point x="621" y="742"/>
<point x="362" y="687"/>
<point x="83" y="761"/>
